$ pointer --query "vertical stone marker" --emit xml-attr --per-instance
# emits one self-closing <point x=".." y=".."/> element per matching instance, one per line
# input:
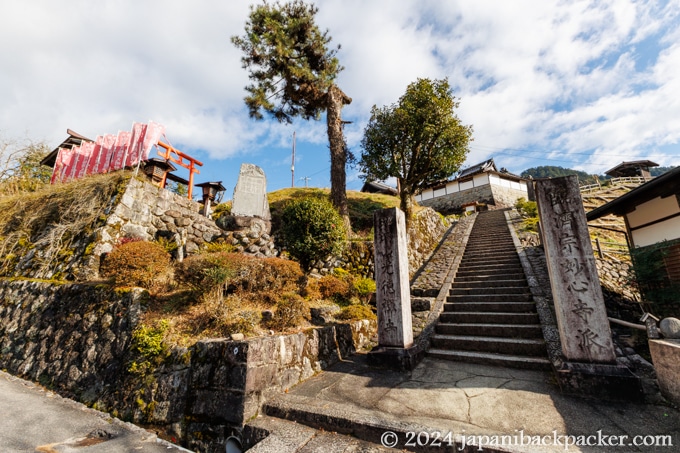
<point x="392" y="282"/>
<point x="579" y="305"/>
<point x="250" y="193"/>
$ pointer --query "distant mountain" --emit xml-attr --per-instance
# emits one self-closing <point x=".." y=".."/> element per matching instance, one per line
<point x="658" y="171"/>
<point x="550" y="171"/>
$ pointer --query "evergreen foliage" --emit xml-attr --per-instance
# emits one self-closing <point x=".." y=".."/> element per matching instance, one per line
<point x="418" y="140"/>
<point x="551" y="171"/>
<point x="293" y="73"/>
<point x="312" y="230"/>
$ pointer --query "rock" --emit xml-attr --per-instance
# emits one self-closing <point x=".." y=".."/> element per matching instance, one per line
<point x="323" y="315"/>
<point x="420" y="305"/>
<point x="670" y="327"/>
<point x="173" y="213"/>
<point x="237" y="336"/>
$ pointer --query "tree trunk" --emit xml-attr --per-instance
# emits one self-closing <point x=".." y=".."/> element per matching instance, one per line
<point x="336" y="100"/>
<point x="406" y="205"/>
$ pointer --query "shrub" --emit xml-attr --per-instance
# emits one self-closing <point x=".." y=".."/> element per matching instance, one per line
<point x="526" y="208"/>
<point x="364" y="287"/>
<point x="356" y="311"/>
<point x="239" y="273"/>
<point x="207" y="273"/>
<point x="291" y="311"/>
<point x="311" y="291"/>
<point x="335" y="289"/>
<point x="138" y="263"/>
<point x="312" y="230"/>
<point x="219" y="246"/>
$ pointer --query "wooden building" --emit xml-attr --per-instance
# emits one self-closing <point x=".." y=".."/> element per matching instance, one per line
<point x="652" y="215"/>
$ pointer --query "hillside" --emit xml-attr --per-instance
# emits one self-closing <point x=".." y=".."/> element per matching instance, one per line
<point x="551" y="171"/>
<point x="611" y="229"/>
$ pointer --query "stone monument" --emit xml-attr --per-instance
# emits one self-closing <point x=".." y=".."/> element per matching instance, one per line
<point x="250" y="208"/>
<point x="579" y="304"/>
<point x="587" y="346"/>
<point x="250" y="193"/>
<point x="395" y="332"/>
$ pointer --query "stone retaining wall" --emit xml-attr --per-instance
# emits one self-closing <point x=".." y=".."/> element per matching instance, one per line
<point x="425" y="233"/>
<point x="148" y="212"/>
<point x="496" y="196"/>
<point x="77" y="340"/>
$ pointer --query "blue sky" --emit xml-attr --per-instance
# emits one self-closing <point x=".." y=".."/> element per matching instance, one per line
<point x="581" y="84"/>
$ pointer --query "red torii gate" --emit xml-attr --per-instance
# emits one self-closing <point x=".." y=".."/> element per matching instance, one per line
<point x="178" y="157"/>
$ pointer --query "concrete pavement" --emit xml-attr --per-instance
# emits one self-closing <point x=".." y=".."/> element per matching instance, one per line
<point x="33" y="419"/>
<point x="469" y="401"/>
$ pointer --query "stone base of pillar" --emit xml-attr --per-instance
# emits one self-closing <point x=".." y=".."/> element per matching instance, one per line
<point x="666" y="359"/>
<point x="605" y="381"/>
<point x="400" y="359"/>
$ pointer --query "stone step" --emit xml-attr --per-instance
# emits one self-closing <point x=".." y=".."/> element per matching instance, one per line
<point x="482" y="277"/>
<point x="266" y="434"/>
<point x="513" y="361"/>
<point x="491" y="265"/>
<point x="511" y="346"/>
<point x="491" y="259"/>
<point x="490" y="283"/>
<point x="481" y="317"/>
<point x="491" y="247"/>
<point x="490" y="330"/>
<point x="504" y="272"/>
<point x="492" y="307"/>
<point x="527" y="297"/>
<point x="489" y="290"/>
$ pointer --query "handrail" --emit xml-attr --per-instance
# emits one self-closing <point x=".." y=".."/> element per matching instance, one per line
<point x="627" y="324"/>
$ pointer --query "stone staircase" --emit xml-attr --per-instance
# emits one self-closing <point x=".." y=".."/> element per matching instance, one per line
<point x="490" y="316"/>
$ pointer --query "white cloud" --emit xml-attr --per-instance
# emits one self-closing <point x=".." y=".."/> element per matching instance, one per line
<point x="568" y="78"/>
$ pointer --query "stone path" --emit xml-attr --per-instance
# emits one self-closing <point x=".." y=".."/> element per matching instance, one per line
<point x="469" y="400"/>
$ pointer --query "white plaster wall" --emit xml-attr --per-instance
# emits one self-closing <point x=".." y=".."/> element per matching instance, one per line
<point x="452" y="187"/>
<point x="670" y="229"/>
<point x="439" y="192"/>
<point x="466" y="185"/>
<point x="481" y="179"/>
<point x="652" y="210"/>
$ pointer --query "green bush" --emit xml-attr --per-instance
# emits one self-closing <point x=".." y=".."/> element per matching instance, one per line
<point x="138" y="263"/>
<point x="364" y="287"/>
<point x="312" y="230"/>
<point x="526" y="208"/>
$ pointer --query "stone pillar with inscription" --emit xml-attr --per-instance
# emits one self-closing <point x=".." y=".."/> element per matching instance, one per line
<point x="587" y="346"/>
<point x="579" y="305"/>
<point x="250" y="207"/>
<point x="393" y="295"/>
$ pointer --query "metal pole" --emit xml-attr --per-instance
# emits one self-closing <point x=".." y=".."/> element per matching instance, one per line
<point x="292" y="164"/>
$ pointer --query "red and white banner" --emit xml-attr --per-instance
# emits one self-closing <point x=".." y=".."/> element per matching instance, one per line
<point x="107" y="143"/>
<point x="58" y="166"/>
<point x="82" y="155"/>
<point x="70" y="169"/>
<point x="135" y="145"/>
<point x="108" y="153"/>
<point x="93" y="162"/>
<point x="118" y="158"/>
<point x="154" y="132"/>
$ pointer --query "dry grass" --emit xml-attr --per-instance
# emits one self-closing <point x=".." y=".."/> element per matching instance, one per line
<point x="51" y="220"/>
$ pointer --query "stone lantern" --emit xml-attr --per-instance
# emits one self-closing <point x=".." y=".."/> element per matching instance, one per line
<point x="210" y="192"/>
<point x="156" y="169"/>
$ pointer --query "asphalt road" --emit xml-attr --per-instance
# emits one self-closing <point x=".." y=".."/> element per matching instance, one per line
<point x="33" y="419"/>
